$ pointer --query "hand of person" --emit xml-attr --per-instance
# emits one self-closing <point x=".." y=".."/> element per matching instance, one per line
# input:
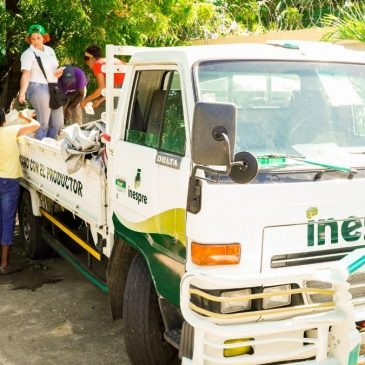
<point x="67" y="113"/>
<point x="21" y="98"/>
<point x="25" y="117"/>
<point x="58" y="73"/>
<point x="83" y="103"/>
<point x="97" y="102"/>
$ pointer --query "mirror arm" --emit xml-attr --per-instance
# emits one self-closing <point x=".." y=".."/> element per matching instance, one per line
<point x="227" y="147"/>
<point x="206" y="169"/>
<point x="229" y="162"/>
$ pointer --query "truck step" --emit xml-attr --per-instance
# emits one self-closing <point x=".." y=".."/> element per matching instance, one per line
<point x="173" y="337"/>
<point x="187" y="341"/>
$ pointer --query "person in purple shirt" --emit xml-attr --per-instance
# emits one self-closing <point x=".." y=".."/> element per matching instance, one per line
<point x="73" y="82"/>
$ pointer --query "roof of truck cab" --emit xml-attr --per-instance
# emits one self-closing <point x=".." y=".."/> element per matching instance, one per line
<point x="279" y="50"/>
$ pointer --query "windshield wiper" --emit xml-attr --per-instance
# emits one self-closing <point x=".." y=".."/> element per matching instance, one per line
<point x="348" y="170"/>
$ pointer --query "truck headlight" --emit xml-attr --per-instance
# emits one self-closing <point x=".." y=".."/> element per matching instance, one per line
<point x="238" y="305"/>
<point x="275" y="301"/>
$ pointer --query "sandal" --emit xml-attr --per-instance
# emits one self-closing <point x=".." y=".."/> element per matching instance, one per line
<point x="9" y="270"/>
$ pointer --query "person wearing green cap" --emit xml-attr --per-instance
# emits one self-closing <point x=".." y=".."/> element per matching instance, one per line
<point x="34" y="84"/>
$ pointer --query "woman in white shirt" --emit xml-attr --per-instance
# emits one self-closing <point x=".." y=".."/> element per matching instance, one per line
<point x="34" y="85"/>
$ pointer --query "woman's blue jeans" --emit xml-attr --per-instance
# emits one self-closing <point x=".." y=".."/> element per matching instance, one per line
<point x="9" y="197"/>
<point x="51" y="120"/>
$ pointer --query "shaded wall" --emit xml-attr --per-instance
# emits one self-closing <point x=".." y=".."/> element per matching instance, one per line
<point x="312" y="34"/>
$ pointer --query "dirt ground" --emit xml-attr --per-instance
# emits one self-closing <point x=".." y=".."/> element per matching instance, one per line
<point x="50" y="314"/>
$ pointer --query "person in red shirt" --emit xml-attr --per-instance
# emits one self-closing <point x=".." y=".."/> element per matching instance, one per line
<point x="94" y="61"/>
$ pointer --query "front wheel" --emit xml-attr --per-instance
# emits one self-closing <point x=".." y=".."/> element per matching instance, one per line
<point x="30" y="230"/>
<point x="144" y="327"/>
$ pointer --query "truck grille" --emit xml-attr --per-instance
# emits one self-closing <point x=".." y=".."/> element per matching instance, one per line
<point x="356" y="280"/>
<point x="312" y="257"/>
<point x="357" y="288"/>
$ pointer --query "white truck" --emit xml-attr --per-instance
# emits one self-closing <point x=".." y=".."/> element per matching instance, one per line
<point x="231" y="221"/>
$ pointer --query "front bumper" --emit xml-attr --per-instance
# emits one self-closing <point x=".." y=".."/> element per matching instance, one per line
<point x="320" y="334"/>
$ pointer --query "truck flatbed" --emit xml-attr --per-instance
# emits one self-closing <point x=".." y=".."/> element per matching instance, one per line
<point x="44" y="168"/>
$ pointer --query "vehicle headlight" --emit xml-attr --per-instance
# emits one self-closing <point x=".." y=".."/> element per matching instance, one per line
<point x="276" y="300"/>
<point x="238" y="305"/>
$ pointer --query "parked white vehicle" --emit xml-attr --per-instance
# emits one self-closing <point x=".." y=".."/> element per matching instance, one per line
<point x="231" y="219"/>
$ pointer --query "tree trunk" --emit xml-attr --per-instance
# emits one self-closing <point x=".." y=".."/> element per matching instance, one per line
<point x="10" y="71"/>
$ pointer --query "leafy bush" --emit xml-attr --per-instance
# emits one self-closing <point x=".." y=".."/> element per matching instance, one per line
<point x="349" y="23"/>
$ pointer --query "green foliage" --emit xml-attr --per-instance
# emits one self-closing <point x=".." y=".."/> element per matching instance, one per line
<point x="290" y="19"/>
<point x="2" y="32"/>
<point x="267" y="15"/>
<point x="74" y="24"/>
<point x="349" y="23"/>
<point x="246" y="13"/>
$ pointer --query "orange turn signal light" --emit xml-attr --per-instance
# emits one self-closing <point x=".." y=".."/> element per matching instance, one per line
<point x="220" y="254"/>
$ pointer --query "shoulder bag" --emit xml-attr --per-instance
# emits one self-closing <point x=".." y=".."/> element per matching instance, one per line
<point x="57" y="97"/>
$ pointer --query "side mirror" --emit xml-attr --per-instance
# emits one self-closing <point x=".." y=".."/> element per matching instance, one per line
<point x="211" y="120"/>
<point x="214" y="135"/>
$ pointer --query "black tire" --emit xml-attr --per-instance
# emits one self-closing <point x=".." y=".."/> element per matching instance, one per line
<point x="30" y="230"/>
<point x="144" y="328"/>
<point x="117" y="273"/>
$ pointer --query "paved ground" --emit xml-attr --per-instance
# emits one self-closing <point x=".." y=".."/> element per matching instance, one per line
<point x="50" y="314"/>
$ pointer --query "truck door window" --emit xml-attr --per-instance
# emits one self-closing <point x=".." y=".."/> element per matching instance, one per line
<point x="146" y="109"/>
<point x="173" y="128"/>
<point x="156" y="114"/>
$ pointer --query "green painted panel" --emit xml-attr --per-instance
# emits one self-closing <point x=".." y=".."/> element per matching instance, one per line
<point x="164" y="255"/>
<point x="354" y="355"/>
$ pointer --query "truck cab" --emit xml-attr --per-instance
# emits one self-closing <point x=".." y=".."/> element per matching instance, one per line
<point x="298" y="112"/>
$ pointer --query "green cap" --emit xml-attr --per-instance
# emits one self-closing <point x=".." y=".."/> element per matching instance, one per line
<point x="36" y="28"/>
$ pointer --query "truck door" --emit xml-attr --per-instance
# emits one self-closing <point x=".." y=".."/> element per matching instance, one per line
<point x="150" y="170"/>
<point x="173" y="170"/>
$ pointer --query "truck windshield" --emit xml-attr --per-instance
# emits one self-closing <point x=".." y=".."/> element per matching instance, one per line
<point x="290" y="107"/>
